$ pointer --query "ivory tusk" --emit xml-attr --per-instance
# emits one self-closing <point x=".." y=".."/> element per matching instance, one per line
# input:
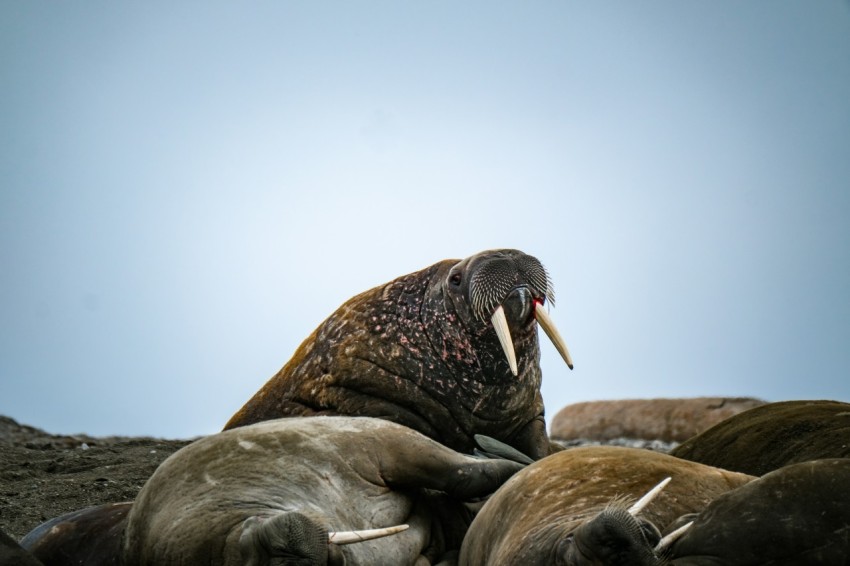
<point x="551" y="331"/>
<point x="669" y="539"/>
<point x="647" y="499"/>
<point x="500" y="323"/>
<point x="348" y="537"/>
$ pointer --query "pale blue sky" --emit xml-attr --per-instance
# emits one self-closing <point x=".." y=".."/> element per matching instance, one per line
<point x="188" y="189"/>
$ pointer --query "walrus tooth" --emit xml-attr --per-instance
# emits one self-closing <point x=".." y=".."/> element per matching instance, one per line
<point x="348" y="537"/>
<point x="647" y="499"/>
<point x="669" y="539"/>
<point x="545" y="322"/>
<point x="500" y="323"/>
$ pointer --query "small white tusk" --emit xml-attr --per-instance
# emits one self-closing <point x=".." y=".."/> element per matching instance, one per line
<point x="545" y="322"/>
<point x="347" y="537"/>
<point x="647" y="499"/>
<point x="667" y="540"/>
<point x="500" y="323"/>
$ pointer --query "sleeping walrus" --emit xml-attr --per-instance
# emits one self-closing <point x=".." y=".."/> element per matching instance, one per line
<point x="450" y="351"/>
<point x="279" y="492"/>
<point x="569" y="509"/>
<point x="771" y="436"/>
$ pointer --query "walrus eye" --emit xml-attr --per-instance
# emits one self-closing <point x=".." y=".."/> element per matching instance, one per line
<point x="455" y="279"/>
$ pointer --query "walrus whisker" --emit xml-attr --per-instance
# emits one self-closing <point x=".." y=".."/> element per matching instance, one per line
<point x="647" y="499"/>
<point x="500" y="323"/>
<point x="348" y="537"/>
<point x="667" y="540"/>
<point x="548" y="326"/>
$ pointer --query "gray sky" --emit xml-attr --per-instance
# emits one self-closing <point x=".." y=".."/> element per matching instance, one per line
<point x="187" y="190"/>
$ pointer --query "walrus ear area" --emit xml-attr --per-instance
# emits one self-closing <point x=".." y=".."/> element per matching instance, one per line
<point x="287" y="538"/>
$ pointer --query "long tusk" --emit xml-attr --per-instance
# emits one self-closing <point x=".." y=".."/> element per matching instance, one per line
<point x="647" y="499"/>
<point x="500" y="323"/>
<point x="548" y="326"/>
<point x="347" y="537"/>
<point x="669" y="539"/>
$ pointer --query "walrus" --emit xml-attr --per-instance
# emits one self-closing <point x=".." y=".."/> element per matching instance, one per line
<point x="798" y="514"/>
<point x="771" y="436"/>
<point x="285" y="487"/>
<point x="11" y="553"/>
<point x="90" y="536"/>
<point x="449" y="351"/>
<point x="570" y="508"/>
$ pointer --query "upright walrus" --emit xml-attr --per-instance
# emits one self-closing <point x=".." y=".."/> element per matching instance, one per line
<point x="450" y="351"/>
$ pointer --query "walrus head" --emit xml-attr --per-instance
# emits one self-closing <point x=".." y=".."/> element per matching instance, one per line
<point x="450" y="351"/>
<point x="508" y="288"/>
<point x="618" y="535"/>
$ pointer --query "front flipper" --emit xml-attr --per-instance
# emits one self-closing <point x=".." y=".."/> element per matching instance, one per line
<point x="412" y="460"/>
<point x="492" y="449"/>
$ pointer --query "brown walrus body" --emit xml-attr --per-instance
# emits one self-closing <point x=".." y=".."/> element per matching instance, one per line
<point x="771" y="436"/>
<point x="90" y="536"/>
<point x="797" y="514"/>
<point x="562" y="509"/>
<point x="421" y="351"/>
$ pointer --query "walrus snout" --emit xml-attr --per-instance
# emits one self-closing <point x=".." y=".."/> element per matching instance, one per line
<point x="617" y="535"/>
<point x="510" y="285"/>
<point x="519" y="304"/>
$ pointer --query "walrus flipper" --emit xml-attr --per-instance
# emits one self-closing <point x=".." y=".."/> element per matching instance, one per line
<point x="422" y="463"/>
<point x="491" y="448"/>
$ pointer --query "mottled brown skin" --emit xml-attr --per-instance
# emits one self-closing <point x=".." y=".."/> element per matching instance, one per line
<point x="90" y="536"/>
<point x="771" y="436"/>
<point x="798" y="514"/>
<point x="554" y="511"/>
<point x="415" y="352"/>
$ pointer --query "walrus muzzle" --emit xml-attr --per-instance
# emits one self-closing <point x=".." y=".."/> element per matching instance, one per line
<point x="521" y="299"/>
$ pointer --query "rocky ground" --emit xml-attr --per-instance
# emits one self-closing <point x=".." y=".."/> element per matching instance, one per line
<point x="44" y="475"/>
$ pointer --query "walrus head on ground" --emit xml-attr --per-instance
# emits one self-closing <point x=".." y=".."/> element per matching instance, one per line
<point x="570" y="508"/>
<point x="450" y="351"/>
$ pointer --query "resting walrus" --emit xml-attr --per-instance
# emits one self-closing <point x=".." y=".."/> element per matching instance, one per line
<point x="270" y="493"/>
<point x="569" y="509"/>
<point x="450" y="351"/>
<point x="797" y="514"/>
<point x="771" y="436"/>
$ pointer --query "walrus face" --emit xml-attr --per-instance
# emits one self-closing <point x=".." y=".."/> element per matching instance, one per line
<point x="508" y="289"/>
<point x="613" y="537"/>
<point x="617" y="536"/>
